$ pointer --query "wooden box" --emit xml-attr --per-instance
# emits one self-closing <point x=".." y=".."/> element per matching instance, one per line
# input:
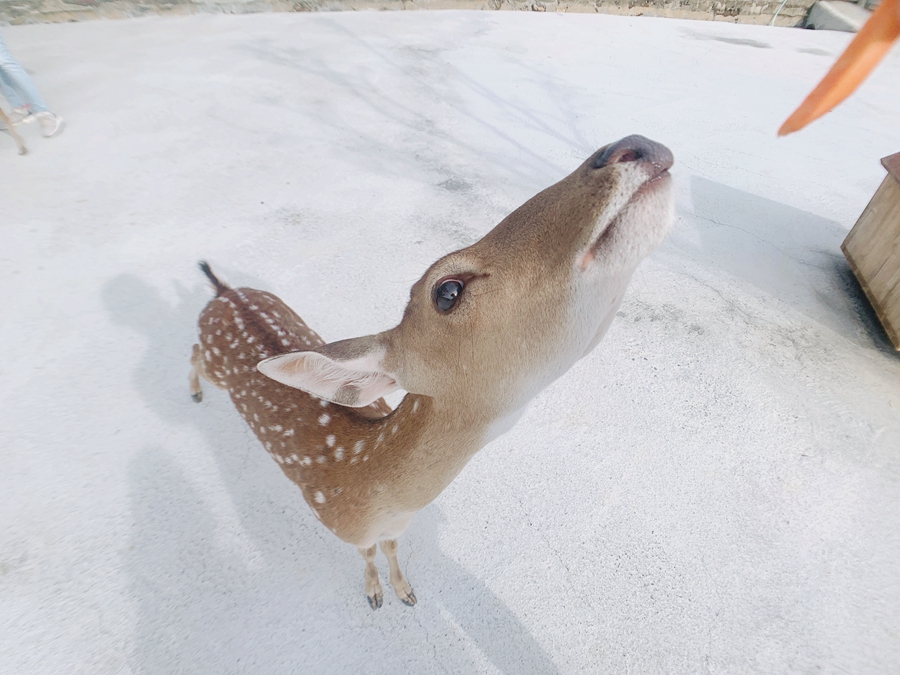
<point x="873" y="250"/>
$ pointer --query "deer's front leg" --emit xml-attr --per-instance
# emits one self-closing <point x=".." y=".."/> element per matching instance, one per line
<point x="401" y="586"/>
<point x="373" y="583"/>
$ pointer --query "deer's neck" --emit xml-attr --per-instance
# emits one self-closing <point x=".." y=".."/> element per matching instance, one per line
<point x="424" y="445"/>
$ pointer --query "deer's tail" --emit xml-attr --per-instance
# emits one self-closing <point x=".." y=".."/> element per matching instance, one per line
<point x="218" y="285"/>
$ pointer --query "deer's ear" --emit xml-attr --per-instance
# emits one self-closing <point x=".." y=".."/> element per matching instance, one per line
<point x="348" y="372"/>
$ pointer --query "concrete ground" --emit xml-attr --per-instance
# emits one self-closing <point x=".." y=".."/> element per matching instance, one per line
<point x="714" y="489"/>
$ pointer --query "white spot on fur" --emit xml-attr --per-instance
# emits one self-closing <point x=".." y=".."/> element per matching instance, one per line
<point x="329" y="440"/>
<point x="319" y="497"/>
<point x="339" y="453"/>
<point x="324" y="419"/>
<point x="288" y="432"/>
<point x="358" y="447"/>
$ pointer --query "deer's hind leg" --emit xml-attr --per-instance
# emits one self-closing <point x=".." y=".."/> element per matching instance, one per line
<point x="12" y="132"/>
<point x="196" y="373"/>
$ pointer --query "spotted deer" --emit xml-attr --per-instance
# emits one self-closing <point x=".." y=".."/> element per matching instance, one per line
<point x="486" y="328"/>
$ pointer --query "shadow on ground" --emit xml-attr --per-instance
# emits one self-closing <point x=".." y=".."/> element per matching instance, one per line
<point x="789" y="254"/>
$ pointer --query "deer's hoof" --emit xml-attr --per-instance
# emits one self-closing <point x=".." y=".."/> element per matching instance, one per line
<point x="410" y="599"/>
<point x="375" y="601"/>
<point x="197" y="397"/>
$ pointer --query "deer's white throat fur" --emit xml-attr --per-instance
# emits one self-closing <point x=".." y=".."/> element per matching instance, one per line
<point x="534" y="295"/>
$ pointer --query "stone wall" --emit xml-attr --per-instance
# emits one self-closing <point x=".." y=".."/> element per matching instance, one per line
<point x="739" y="11"/>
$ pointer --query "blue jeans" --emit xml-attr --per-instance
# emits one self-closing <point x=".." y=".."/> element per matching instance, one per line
<point x="16" y="85"/>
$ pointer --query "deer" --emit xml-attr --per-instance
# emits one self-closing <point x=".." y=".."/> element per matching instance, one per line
<point x="8" y="126"/>
<point x="486" y="328"/>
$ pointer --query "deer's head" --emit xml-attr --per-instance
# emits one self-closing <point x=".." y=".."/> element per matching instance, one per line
<point x="488" y="326"/>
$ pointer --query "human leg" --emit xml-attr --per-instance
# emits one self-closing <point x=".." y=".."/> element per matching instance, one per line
<point x="9" y="92"/>
<point x="16" y="84"/>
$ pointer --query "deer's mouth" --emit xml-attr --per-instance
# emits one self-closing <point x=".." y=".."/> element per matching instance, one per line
<point x="650" y="191"/>
<point x="660" y="179"/>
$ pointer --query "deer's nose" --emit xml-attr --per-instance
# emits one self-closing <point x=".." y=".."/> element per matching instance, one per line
<point x="635" y="149"/>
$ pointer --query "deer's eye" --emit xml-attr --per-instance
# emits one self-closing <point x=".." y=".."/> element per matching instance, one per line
<point x="447" y="293"/>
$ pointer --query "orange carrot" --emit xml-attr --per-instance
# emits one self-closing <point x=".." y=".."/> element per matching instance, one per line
<point x="854" y="65"/>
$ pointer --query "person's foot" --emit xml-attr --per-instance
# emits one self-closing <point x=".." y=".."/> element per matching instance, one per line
<point x="51" y="123"/>
<point x="19" y="115"/>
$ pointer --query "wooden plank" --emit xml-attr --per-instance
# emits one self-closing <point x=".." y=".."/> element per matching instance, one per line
<point x="873" y="250"/>
<point x="892" y="164"/>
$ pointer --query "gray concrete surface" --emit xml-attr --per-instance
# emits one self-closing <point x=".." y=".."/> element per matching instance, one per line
<point x="714" y="489"/>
